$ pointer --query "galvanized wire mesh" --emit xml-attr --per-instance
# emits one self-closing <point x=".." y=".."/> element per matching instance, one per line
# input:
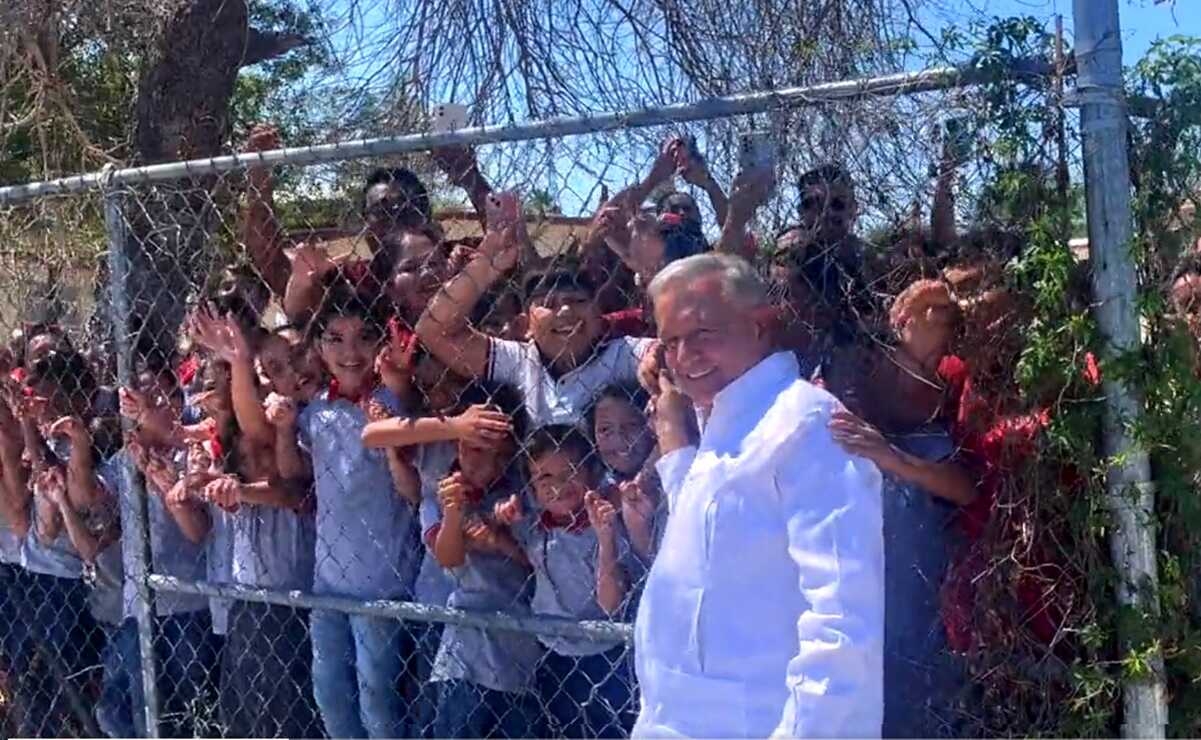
<point x="394" y="476"/>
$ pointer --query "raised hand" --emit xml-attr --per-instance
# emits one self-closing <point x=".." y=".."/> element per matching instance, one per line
<point x="691" y="168"/>
<point x="455" y="161"/>
<point x="666" y="161"/>
<point x="310" y="262"/>
<point x="646" y="251"/>
<point x="749" y="191"/>
<point x="480" y="536"/>
<point x="395" y="361"/>
<point x="502" y="248"/>
<point x="263" y="137"/>
<point x="460" y="255"/>
<point x="610" y="224"/>
<point x="52" y="484"/>
<point x="601" y="514"/>
<point x="73" y="428"/>
<point x="637" y="502"/>
<point x="281" y="411"/>
<point x="212" y="403"/>
<point x="482" y="425"/>
<point x="223" y="337"/>
<point x="857" y="437"/>
<point x="452" y="496"/>
<point x="132" y="404"/>
<point x="650" y="366"/>
<point x="671" y="412"/>
<point x="509" y="512"/>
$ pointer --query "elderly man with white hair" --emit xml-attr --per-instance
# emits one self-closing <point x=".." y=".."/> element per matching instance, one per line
<point x="764" y="611"/>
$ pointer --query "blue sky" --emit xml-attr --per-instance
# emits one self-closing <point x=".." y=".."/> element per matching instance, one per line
<point x="1143" y="21"/>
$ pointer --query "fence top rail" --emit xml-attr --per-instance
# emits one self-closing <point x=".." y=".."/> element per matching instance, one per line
<point x="906" y="83"/>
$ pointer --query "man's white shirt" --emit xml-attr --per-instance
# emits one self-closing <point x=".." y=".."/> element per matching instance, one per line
<point x="764" y="610"/>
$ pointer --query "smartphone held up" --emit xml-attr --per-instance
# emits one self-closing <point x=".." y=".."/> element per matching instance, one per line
<point x="502" y="209"/>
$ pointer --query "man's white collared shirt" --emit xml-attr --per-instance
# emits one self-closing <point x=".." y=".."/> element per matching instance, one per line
<point x="764" y="610"/>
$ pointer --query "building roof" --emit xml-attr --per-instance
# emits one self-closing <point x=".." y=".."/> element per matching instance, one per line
<point x="551" y="233"/>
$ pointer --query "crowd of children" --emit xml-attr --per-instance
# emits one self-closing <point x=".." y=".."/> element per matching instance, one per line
<point x="457" y="425"/>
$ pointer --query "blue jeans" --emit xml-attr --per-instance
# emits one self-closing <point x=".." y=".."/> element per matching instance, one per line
<point x="468" y="710"/>
<point x="358" y="664"/>
<point x="60" y="629"/>
<point x="588" y="696"/>
<point x="26" y="677"/>
<point x="422" y="694"/>
<point x="185" y="656"/>
<point x="266" y="690"/>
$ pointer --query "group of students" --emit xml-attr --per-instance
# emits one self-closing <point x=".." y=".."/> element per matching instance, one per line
<point x="457" y="425"/>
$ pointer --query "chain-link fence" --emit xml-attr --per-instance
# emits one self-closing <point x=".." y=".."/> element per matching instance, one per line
<point x="298" y="442"/>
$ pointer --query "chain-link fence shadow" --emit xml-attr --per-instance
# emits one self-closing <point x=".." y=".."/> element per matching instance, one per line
<point x="380" y="434"/>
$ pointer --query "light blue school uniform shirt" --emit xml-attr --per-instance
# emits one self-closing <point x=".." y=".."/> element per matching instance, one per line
<point x="367" y="545"/>
<point x="171" y="554"/>
<point x="433" y="463"/>
<point x="565" y="399"/>
<point x="58" y="557"/>
<point x="495" y="659"/>
<point x="273" y="547"/>
<point x="564" y="563"/>
<point x="219" y="556"/>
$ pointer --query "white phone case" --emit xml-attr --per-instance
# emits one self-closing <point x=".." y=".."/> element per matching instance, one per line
<point x="448" y="117"/>
<point x="758" y="151"/>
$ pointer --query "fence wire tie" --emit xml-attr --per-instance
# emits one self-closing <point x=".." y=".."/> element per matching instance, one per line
<point x="107" y="173"/>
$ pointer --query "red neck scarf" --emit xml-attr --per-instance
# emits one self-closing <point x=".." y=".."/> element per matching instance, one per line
<point x="216" y="449"/>
<point x="575" y="522"/>
<point x="335" y="393"/>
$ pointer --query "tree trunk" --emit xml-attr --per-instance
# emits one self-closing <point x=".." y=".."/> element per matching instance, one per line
<point x="182" y="112"/>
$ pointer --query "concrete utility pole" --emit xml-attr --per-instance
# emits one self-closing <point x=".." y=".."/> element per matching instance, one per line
<point x="1130" y="493"/>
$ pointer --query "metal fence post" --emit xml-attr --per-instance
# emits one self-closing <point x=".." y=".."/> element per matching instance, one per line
<point x="135" y="547"/>
<point x="1130" y="493"/>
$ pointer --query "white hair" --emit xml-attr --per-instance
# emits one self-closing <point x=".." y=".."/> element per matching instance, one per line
<point x="739" y="280"/>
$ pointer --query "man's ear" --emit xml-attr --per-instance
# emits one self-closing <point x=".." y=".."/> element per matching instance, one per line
<point x="765" y="317"/>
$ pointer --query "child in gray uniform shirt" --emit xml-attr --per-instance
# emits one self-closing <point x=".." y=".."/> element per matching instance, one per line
<point x="583" y="566"/>
<point x="484" y="677"/>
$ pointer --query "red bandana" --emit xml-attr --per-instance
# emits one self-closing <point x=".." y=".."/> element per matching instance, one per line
<point x="335" y="393"/>
<point x="188" y="369"/>
<point x="574" y="523"/>
<point x="215" y="449"/>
